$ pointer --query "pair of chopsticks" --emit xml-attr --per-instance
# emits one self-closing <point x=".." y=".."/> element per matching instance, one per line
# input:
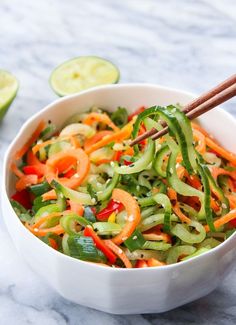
<point x="207" y="101"/>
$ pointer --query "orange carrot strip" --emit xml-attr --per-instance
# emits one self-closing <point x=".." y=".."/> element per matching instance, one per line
<point x="100" y="117"/>
<point x="119" y="252"/>
<point x="122" y="134"/>
<point x="199" y="128"/>
<point x="83" y="167"/>
<point x="25" y="181"/>
<point x="74" y="141"/>
<point x="232" y="201"/>
<point x="97" y="137"/>
<point x="77" y="208"/>
<point x="221" y="151"/>
<point x="216" y="171"/>
<point x="16" y="170"/>
<point x="223" y="220"/>
<point x="157" y="236"/>
<point x="43" y="232"/>
<point x="20" y="153"/>
<point x="50" y="195"/>
<point x="154" y="262"/>
<point x="42" y="220"/>
<point x="180" y="214"/>
<point x="133" y="214"/>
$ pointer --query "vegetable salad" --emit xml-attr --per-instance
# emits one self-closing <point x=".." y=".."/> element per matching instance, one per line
<point x="84" y="191"/>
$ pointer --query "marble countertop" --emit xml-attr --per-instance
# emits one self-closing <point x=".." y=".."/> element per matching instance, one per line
<point x="186" y="44"/>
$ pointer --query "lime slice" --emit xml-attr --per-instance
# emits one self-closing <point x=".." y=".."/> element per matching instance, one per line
<point x="8" y="90"/>
<point x="82" y="73"/>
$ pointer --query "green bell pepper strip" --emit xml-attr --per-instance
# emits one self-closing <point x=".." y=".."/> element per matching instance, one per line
<point x="107" y="228"/>
<point x="174" y="126"/>
<point x="181" y="231"/>
<point x="107" y="191"/>
<point x="154" y="220"/>
<point x="39" y="189"/>
<point x="158" y="160"/>
<point x="197" y="253"/>
<point x="78" y="197"/>
<point x="83" y="248"/>
<point x="135" y="241"/>
<point x="177" y="251"/>
<point x="164" y="201"/>
<point x="154" y="245"/>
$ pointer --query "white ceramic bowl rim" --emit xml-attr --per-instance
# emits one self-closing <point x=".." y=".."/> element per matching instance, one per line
<point x="91" y="90"/>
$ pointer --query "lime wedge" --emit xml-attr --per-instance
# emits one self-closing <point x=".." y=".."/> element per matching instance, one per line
<point x="8" y="90"/>
<point x="82" y="73"/>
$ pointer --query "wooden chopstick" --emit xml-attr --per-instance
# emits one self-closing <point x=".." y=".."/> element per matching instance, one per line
<point x="212" y="98"/>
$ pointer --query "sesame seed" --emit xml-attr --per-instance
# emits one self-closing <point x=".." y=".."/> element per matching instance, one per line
<point x="120" y="251"/>
<point x="130" y="218"/>
<point x="135" y="237"/>
<point x="224" y="206"/>
<point x="76" y="175"/>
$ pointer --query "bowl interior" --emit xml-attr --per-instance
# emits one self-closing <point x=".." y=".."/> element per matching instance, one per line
<point x="110" y="97"/>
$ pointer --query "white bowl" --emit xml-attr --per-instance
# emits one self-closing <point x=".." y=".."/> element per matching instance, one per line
<point x="120" y="291"/>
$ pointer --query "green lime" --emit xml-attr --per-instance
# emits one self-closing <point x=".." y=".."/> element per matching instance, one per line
<point x="8" y="90"/>
<point x="82" y="73"/>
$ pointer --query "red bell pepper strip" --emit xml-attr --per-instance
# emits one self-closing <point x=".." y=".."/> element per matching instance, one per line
<point x="112" y="206"/>
<point x="23" y="197"/>
<point x="38" y="170"/>
<point x="136" y="112"/>
<point x="140" y="264"/>
<point x="89" y="232"/>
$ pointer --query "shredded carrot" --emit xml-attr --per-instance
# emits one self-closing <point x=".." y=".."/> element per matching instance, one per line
<point x="40" y="232"/>
<point x="77" y="208"/>
<point x="26" y="181"/>
<point x="221" y="151"/>
<point x="16" y="170"/>
<point x="20" y="153"/>
<point x="180" y="214"/>
<point x="122" y="134"/>
<point x="154" y="262"/>
<point x="83" y="167"/>
<point x="196" y="126"/>
<point x="50" y="195"/>
<point x="75" y="142"/>
<point x="157" y="236"/>
<point x="133" y="214"/>
<point x="100" y="117"/>
<point x="216" y="171"/>
<point x="43" y="232"/>
<point x="223" y="220"/>
<point x="97" y="137"/>
<point x="119" y="252"/>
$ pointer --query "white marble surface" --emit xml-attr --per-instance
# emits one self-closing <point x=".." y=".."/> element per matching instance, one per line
<point x="185" y="44"/>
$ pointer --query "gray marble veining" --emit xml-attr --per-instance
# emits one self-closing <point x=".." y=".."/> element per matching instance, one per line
<point x="183" y="44"/>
